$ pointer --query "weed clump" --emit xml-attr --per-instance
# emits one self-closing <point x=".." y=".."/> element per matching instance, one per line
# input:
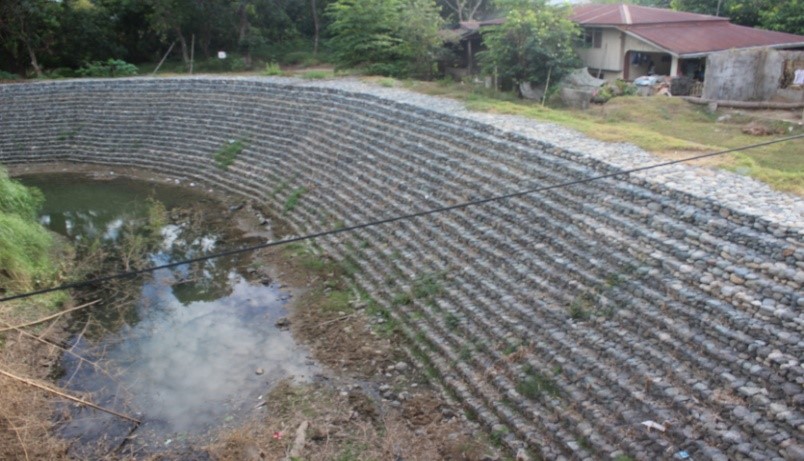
<point x="226" y="155"/>
<point x="293" y="199"/>
<point x="272" y="69"/>
<point x="535" y="384"/>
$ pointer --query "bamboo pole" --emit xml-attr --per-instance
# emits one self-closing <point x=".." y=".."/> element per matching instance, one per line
<point x="68" y="396"/>
<point x="163" y="58"/>
<point x="192" y="54"/>
<point x="49" y="317"/>
<point x="547" y="85"/>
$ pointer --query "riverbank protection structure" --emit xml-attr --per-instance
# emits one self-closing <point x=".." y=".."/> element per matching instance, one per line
<point x="565" y="321"/>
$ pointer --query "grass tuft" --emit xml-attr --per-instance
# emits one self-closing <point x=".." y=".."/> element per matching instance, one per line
<point x="293" y="199"/>
<point x="226" y="155"/>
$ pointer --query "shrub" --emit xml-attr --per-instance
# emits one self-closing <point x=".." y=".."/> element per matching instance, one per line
<point x="296" y="57"/>
<point x="109" y="68"/>
<point x="272" y="69"/>
<point x="8" y="75"/>
<point x="237" y="64"/>
<point x="61" y="72"/>
<point x="602" y="95"/>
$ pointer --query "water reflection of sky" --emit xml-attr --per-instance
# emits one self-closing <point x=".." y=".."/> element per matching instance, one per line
<point x="189" y="362"/>
<point x="190" y="366"/>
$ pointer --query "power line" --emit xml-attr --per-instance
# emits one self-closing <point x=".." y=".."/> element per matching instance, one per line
<point x="379" y="222"/>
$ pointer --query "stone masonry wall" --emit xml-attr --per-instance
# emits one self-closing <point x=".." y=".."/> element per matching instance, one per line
<point x="562" y="320"/>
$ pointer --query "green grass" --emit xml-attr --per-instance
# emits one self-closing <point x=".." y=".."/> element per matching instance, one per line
<point x="25" y="246"/>
<point x="226" y="155"/>
<point x="337" y="301"/>
<point x="401" y="299"/>
<point x="428" y="285"/>
<point x="272" y="69"/>
<point x="67" y="134"/>
<point x="293" y="199"/>
<point x="316" y="74"/>
<point x="668" y="127"/>
<point x="535" y="384"/>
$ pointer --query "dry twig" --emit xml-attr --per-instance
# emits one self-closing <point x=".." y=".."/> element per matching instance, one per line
<point x="19" y="437"/>
<point x="67" y="396"/>
<point x="49" y="317"/>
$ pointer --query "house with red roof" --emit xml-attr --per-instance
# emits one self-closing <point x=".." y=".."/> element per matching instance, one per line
<point x="629" y="41"/>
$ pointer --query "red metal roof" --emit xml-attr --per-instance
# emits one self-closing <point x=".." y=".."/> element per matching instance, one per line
<point x="680" y="33"/>
<point x="699" y="38"/>
<point x="622" y="15"/>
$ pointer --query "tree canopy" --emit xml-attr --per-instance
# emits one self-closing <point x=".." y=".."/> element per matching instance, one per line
<point x="780" y="15"/>
<point x="40" y="35"/>
<point x="535" y="41"/>
<point x="395" y="37"/>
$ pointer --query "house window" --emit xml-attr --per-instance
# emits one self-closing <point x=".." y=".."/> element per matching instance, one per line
<point x="593" y="38"/>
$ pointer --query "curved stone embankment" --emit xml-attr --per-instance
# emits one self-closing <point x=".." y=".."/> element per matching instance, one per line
<point x="562" y="320"/>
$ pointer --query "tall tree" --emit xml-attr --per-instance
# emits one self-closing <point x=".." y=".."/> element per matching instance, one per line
<point x="710" y="7"/>
<point x="465" y="10"/>
<point x="29" y="27"/>
<point x="170" y="19"/>
<point x="316" y="25"/>
<point x="390" y="37"/>
<point x="784" y="16"/>
<point x="535" y="41"/>
<point x="365" y="32"/>
<point x="421" y="22"/>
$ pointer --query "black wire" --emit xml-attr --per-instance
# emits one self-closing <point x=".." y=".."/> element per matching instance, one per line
<point x="458" y="206"/>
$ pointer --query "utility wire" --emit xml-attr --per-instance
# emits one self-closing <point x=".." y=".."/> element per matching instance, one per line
<point x="379" y="222"/>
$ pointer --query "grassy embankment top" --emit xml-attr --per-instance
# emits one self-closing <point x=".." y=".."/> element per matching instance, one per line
<point x="667" y="127"/>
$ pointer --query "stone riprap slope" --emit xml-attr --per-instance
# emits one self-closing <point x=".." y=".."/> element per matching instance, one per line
<point x="562" y="320"/>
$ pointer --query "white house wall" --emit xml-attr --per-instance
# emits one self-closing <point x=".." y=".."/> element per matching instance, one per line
<point x="607" y="57"/>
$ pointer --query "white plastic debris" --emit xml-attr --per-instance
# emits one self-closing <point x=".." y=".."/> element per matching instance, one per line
<point x="654" y="425"/>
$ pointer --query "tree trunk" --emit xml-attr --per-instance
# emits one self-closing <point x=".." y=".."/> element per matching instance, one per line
<point x="243" y="32"/>
<point x="34" y="61"/>
<point x="185" y="52"/>
<point x="316" y="27"/>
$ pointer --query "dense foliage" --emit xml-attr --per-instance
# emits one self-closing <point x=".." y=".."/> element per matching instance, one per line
<point x="55" y="38"/>
<point x="38" y="36"/>
<point x="388" y="37"/>
<point x="24" y="243"/>
<point x="535" y="41"/>
<point x="781" y="15"/>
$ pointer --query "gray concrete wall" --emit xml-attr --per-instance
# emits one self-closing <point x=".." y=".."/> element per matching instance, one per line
<point x="634" y="301"/>
<point x="746" y="75"/>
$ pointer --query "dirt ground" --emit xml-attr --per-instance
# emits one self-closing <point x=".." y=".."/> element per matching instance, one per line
<point x="369" y="403"/>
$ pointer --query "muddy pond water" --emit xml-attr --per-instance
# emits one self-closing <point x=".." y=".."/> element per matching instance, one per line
<point x="187" y="350"/>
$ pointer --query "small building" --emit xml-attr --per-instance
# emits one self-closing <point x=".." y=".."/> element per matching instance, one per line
<point x="629" y="41"/>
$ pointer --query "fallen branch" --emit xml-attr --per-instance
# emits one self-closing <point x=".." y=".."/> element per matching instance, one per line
<point x="335" y="320"/>
<point x="68" y="396"/>
<point x="19" y="437"/>
<point x="64" y="350"/>
<point x="50" y="317"/>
